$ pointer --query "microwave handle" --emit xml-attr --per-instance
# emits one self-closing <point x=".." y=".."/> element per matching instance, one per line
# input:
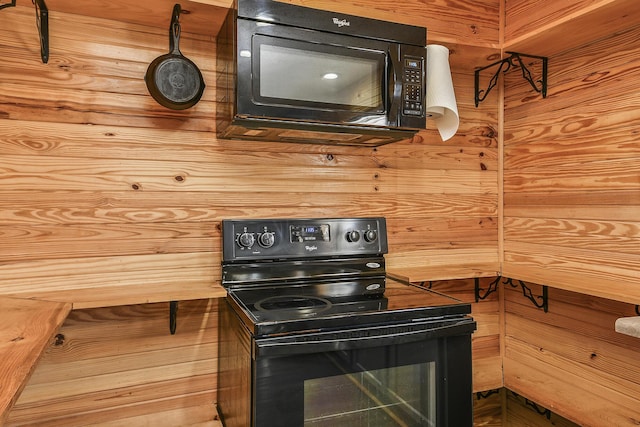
<point x="395" y="88"/>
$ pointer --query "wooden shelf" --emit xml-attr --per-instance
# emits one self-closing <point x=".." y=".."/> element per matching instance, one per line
<point x="425" y="274"/>
<point x="576" y="28"/>
<point x="27" y="328"/>
<point x="205" y="16"/>
<point x="127" y="295"/>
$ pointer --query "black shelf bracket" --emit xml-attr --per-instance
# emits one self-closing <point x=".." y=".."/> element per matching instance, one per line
<point x="493" y="287"/>
<point x="526" y="291"/>
<point x="638" y="310"/>
<point x="540" y="410"/>
<point x="173" y="316"/>
<point x="504" y="65"/>
<point x="12" y="3"/>
<point x="424" y="284"/>
<point x="486" y="394"/>
<point x="42" y="21"/>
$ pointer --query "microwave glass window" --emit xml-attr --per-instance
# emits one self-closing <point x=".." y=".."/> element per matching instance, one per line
<point x="391" y="397"/>
<point x="307" y="76"/>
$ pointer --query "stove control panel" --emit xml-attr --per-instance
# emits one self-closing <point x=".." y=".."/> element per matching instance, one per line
<point x="257" y="239"/>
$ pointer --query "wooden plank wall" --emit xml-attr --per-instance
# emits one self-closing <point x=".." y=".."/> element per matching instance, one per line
<point x="519" y="411"/>
<point x="570" y="360"/>
<point x="120" y="365"/>
<point x="571" y="172"/>
<point x="110" y="201"/>
<point x="571" y="204"/>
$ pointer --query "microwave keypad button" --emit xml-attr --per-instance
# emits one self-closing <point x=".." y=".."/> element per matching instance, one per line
<point x="412" y="93"/>
<point x="412" y="87"/>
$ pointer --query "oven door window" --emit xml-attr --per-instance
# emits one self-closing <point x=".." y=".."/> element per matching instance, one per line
<point x="294" y="73"/>
<point x="381" y="397"/>
<point x="421" y="383"/>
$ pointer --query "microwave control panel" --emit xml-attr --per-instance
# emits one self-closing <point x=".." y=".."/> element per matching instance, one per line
<point x="413" y="86"/>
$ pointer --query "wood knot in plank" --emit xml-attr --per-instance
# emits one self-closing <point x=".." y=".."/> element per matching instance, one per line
<point x="59" y="340"/>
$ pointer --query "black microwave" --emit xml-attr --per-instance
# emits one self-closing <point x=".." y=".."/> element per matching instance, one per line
<point x="297" y="74"/>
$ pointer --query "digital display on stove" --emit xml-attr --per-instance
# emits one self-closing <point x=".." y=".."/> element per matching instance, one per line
<point x="310" y="233"/>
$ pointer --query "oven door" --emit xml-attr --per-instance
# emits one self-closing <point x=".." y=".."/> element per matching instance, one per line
<point x="404" y="375"/>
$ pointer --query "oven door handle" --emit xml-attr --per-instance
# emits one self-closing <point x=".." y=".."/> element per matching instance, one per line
<point x="380" y="336"/>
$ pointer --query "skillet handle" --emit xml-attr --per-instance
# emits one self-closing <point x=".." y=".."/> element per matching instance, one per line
<point x="174" y="30"/>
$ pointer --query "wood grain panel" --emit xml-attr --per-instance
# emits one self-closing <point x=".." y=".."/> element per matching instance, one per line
<point x="111" y="207"/>
<point x="95" y="368"/>
<point x="571" y="172"/>
<point x="524" y="17"/>
<point x="520" y="411"/>
<point x="28" y="328"/>
<point x="599" y="273"/>
<point x="570" y="359"/>
<point x="609" y="236"/>
<point x="487" y="411"/>
<point x="474" y="23"/>
<point x="562" y="26"/>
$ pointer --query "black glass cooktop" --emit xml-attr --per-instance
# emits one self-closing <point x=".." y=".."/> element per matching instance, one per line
<point x="269" y="310"/>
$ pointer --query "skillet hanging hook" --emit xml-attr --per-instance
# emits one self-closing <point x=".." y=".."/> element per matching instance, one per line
<point x="174" y="27"/>
<point x="42" y="22"/>
<point x="11" y="4"/>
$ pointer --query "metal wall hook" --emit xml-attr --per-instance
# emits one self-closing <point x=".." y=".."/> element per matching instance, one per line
<point x="42" y="22"/>
<point x="173" y="316"/>
<point x="504" y="65"/>
<point x="11" y="4"/>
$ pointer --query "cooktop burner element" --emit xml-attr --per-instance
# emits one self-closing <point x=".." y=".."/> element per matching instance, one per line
<point x="304" y="305"/>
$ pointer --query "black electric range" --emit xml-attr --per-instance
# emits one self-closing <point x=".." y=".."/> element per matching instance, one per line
<point x="313" y="333"/>
<point x="300" y="275"/>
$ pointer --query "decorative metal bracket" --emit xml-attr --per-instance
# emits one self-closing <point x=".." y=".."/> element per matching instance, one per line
<point x="486" y="394"/>
<point x="540" y="410"/>
<point x="42" y="21"/>
<point x="173" y="316"/>
<point x="505" y="65"/>
<point x="493" y="287"/>
<point x="526" y="291"/>
<point x="11" y="4"/>
<point x="424" y="284"/>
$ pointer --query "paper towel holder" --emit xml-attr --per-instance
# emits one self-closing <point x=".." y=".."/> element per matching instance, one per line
<point x="505" y="65"/>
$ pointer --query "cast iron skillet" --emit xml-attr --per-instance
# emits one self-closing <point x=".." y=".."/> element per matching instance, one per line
<point x="173" y="80"/>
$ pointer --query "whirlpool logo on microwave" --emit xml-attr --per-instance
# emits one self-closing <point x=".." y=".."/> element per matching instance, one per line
<point x="341" y="22"/>
<point x="311" y="248"/>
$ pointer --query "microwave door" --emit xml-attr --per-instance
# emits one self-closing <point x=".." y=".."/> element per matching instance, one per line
<point x="319" y="80"/>
<point x="289" y="74"/>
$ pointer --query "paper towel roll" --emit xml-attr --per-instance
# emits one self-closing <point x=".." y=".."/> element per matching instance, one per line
<point x="441" y="99"/>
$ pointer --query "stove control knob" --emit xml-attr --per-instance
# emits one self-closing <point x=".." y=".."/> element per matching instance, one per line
<point x="246" y="240"/>
<point x="370" y="236"/>
<point x="267" y="239"/>
<point x="353" y="236"/>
